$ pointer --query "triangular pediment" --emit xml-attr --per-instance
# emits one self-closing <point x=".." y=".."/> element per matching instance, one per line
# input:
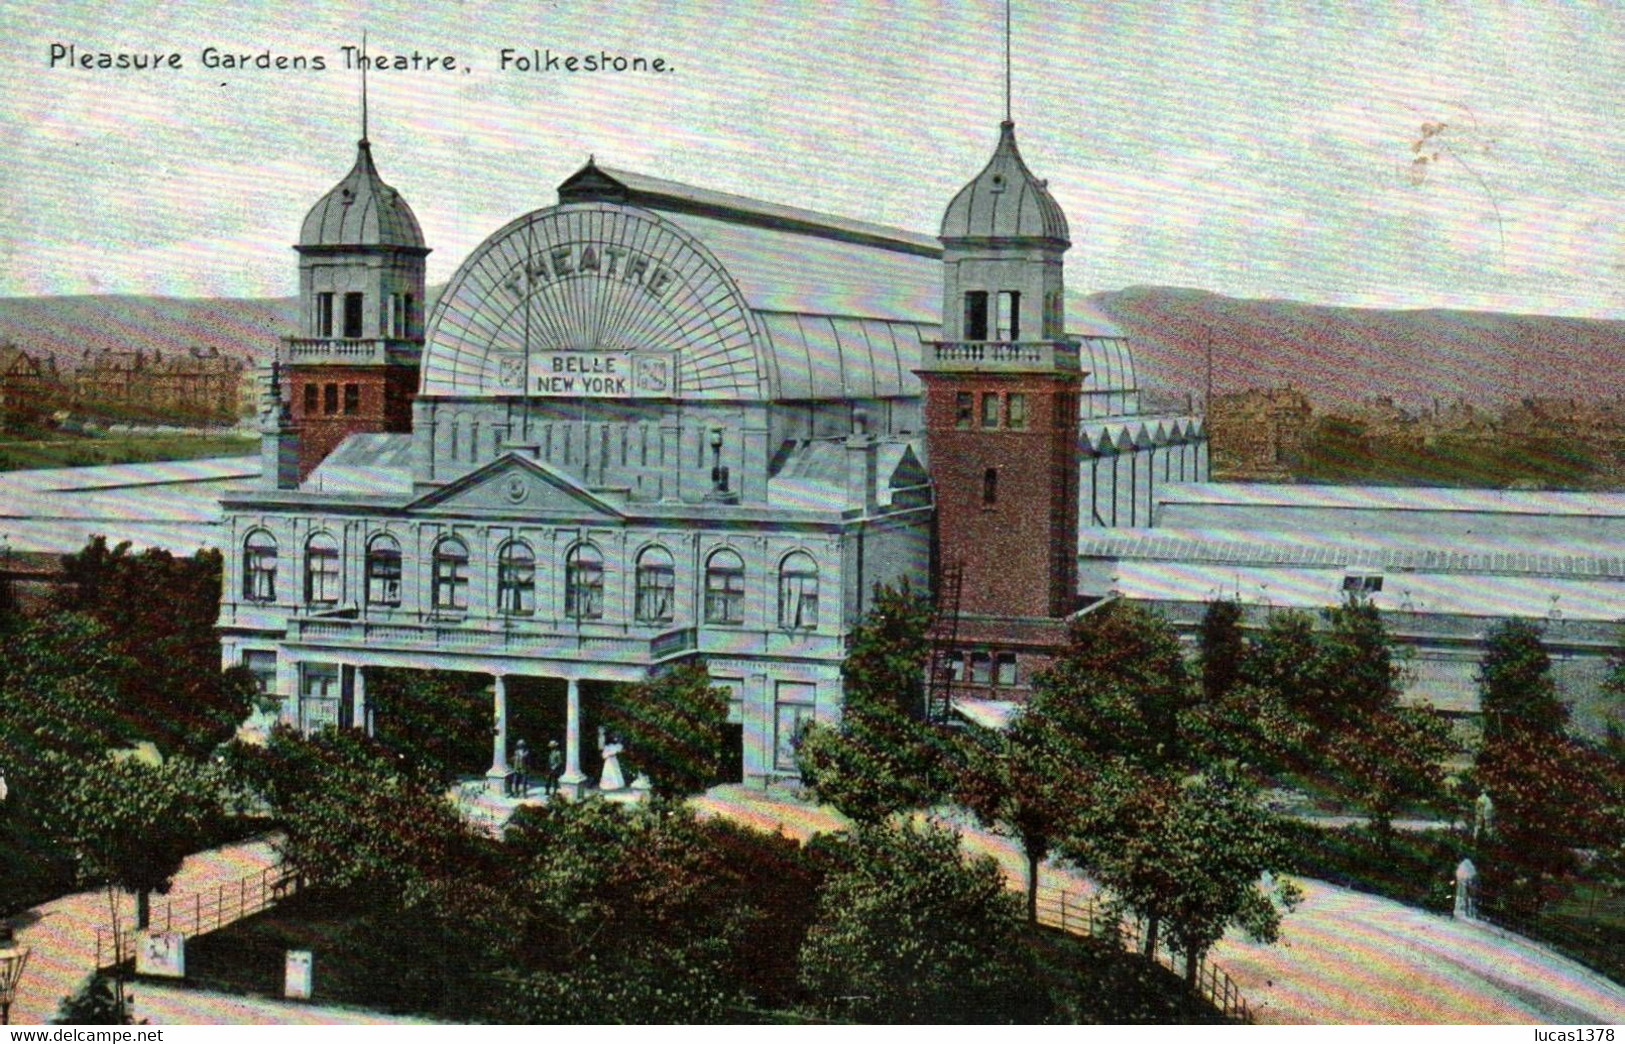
<point x="515" y="485"/>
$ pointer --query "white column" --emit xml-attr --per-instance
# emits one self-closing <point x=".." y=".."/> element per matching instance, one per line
<point x="358" y="706"/>
<point x="499" y="733"/>
<point x="573" y="776"/>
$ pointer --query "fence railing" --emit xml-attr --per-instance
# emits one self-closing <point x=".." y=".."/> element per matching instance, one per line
<point x="199" y="913"/>
<point x="1086" y="915"/>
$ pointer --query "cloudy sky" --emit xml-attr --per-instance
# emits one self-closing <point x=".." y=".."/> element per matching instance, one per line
<point x="1253" y="149"/>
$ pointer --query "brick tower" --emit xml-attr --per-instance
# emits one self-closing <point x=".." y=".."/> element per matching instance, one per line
<point x="354" y="366"/>
<point x="1001" y="421"/>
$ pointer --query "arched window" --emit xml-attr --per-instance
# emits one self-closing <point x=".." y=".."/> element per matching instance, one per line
<point x="321" y="570"/>
<point x="516" y="579"/>
<point x="798" y="592"/>
<point x="725" y="589"/>
<point x="383" y="571"/>
<point x="584" y="583"/>
<point x="259" y="567"/>
<point x="656" y="585"/>
<point x="449" y="589"/>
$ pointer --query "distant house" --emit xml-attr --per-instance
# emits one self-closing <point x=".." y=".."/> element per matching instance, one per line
<point x="27" y="386"/>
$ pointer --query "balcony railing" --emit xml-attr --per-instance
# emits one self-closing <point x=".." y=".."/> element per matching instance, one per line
<point x="1014" y="356"/>
<point x="530" y="638"/>
<point x="356" y="350"/>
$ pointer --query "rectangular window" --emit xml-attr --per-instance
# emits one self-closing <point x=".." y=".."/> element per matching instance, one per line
<point x="1362" y="584"/>
<point x="724" y="595"/>
<point x="964" y="409"/>
<point x="352" y="315"/>
<point x="793" y="712"/>
<point x="1018" y="409"/>
<point x="956" y="666"/>
<point x="330" y="398"/>
<point x="516" y="586"/>
<point x="990" y="486"/>
<point x="324" y="315"/>
<point x="450" y="587"/>
<point x="383" y="577"/>
<point x="990" y="410"/>
<point x="1004" y="668"/>
<point x="395" y="320"/>
<point x="321" y="576"/>
<point x="318" y="696"/>
<point x="312" y="395"/>
<point x="352" y="398"/>
<point x="1009" y="315"/>
<point x="981" y="668"/>
<point x="656" y="587"/>
<point x="261" y="663"/>
<point x="976" y="315"/>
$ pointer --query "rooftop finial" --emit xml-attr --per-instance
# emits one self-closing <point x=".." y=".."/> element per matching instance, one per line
<point x="363" y="87"/>
<point x="1007" y="61"/>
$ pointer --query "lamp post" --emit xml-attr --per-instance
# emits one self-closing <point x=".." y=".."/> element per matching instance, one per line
<point x="13" y="959"/>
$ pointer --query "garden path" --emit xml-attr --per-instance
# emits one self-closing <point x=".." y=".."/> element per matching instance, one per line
<point x="62" y="933"/>
<point x="1343" y="957"/>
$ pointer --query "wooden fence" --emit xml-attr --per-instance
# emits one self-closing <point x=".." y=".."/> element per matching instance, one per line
<point x="1087" y="916"/>
<point x="199" y="913"/>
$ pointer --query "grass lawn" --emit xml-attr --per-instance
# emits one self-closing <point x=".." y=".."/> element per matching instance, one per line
<point x="71" y="451"/>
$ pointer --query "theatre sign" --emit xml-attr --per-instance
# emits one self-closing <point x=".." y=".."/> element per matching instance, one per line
<point x="600" y="300"/>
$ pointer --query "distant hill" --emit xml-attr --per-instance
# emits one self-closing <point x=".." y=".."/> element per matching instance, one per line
<point x="66" y="327"/>
<point x="1335" y="355"/>
<point x="1342" y="355"/>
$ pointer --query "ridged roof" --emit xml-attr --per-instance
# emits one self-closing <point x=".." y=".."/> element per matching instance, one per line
<point x="1005" y="201"/>
<point x="361" y="211"/>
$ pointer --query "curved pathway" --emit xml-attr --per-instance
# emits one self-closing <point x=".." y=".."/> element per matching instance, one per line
<point x="62" y="933"/>
<point x="1343" y="957"/>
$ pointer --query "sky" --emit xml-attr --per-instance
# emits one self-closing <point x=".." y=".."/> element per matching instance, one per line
<point x="1264" y="150"/>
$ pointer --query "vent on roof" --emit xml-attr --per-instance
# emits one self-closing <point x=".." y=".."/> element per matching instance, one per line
<point x="1362" y="582"/>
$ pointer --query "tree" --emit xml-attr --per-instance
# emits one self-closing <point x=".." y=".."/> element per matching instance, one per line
<point x="883" y="757"/>
<point x="159" y="611"/>
<point x="874" y="764"/>
<point x="357" y="817"/>
<point x="1121" y="686"/>
<point x="412" y="709"/>
<point x="1516" y="691"/>
<point x="673" y="728"/>
<point x="1223" y="649"/>
<point x="1188" y="852"/>
<point x="887" y="653"/>
<point x="909" y="931"/>
<point x="131" y="823"/>
<point x="648" y="914"/>
<point x="1028" y="783"/>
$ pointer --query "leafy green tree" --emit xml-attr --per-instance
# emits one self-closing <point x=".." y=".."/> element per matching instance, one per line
<point x="887" y="651"/>
<point x="1223" y="649"/>
<point x="648" y="914"/>
<point x="673" y="727"/>
<point x="357" y="817"/>
<point x="412" y="709"/>
<point x="159" y="612"/>
<point x="1028" y="783"/>
<point x="131" y="823"/>
<point x="1185" y="853"/>
<point x="874" y="764"/>
<point x="1516" y="690"/>
<point x="909" y="931"/>
<point x="1391" y="759"/>
<point x="883" y="757"/>
<point x="1122" y="684"/>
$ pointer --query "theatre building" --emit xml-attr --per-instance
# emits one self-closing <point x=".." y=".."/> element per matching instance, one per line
<point x="653" y="422"/>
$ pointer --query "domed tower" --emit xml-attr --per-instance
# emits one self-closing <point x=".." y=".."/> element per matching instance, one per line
<point x="354" y="366"/>
<point x="1001" y="412"/>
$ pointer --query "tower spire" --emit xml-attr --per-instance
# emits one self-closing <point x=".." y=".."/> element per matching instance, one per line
<point x="363" y="87"/>
<point x="1007" y="61"/>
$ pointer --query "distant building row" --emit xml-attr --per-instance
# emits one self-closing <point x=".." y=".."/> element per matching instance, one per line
<point x="200" y="385"/>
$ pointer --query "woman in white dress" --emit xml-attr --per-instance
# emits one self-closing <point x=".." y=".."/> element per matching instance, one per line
<point x="611" y="779"/>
